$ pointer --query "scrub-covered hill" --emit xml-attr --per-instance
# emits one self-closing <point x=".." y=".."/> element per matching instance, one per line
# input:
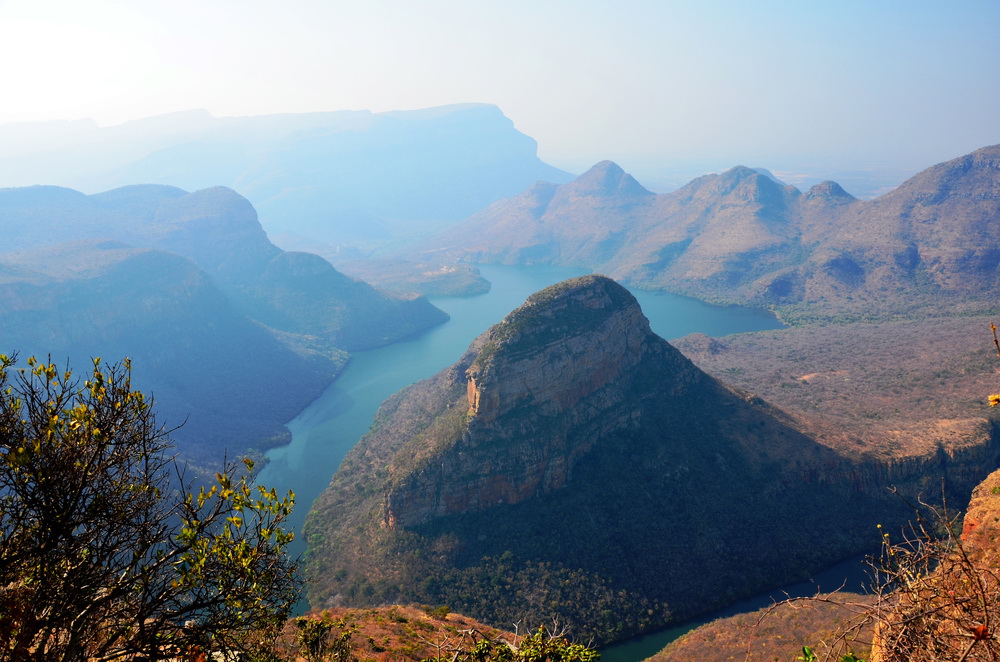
<point x="573" y="465"/>
<point x="231" y="382"/>
<point x="742" y="237"/>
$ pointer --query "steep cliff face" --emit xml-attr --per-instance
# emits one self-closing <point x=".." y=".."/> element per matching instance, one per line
<point x="946" y="600"/>
<point x="574" y="465"/>
<point x="542" y="389"/>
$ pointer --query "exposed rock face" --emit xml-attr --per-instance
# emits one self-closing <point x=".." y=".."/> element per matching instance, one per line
<point x="584" y="464"/>
<point x="553" y="352"/>
<point x="946" y="604"/>
<point x="981" y="527"/>
<point x="742" y="237"/>
<point x="779" y="632"/>
<point x="562" y="359"/>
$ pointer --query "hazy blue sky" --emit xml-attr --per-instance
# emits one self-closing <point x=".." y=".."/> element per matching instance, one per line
<point x="637" y="81"/>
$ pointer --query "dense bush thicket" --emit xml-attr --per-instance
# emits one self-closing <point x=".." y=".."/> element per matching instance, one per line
<point x="105" y="550"/>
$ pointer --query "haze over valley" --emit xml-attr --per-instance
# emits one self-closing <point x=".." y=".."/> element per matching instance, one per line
<point x="559" y="313"/>
<point x="232" y="334"/>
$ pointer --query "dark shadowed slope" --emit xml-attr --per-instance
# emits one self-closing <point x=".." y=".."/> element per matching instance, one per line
<point x="232" y="334"/>
<point x="231" y="381"/>
<point x="573" y="465"/>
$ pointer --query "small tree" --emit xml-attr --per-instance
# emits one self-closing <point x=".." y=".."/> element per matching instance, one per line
<point x="105" y="550"/>
<point x="542" y="645"/>
<point x="323" y="638"/>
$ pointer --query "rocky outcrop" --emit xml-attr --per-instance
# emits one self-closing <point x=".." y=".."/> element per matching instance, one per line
<point x="573" y="446"/>
<point x="981" y="526"/>
<point x="544" y="386"/>
<point x="945" y="599"/>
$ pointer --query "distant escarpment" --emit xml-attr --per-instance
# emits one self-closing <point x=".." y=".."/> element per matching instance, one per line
<point x="574" y="465"/>
<point x="232" y="334"/>
<point x="742" y="237"/>
<point x="352" y="178"/>
<point x="218" y="230"/>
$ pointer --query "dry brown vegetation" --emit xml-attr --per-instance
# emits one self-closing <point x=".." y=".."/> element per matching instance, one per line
<point x="394" y="633"/>
<point x="889" y="390"/>
<point x="740" y="237"/>
<point x="774" y="633"/>
<point x="943" y="602"/>
<point x="937" y="599"/>
<point x="427" y="278"/>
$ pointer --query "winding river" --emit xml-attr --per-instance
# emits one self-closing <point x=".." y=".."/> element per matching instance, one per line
<point x="324" y="432"/>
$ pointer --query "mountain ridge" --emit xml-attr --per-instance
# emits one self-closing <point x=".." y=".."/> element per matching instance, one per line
<point x="743" y="237"/>
<point x="309" y="175"/>
<point x="218" y="230"/>
<point x="189" y="286"/>
<point x="569" y="453"/>
<point x="225" y="380"/>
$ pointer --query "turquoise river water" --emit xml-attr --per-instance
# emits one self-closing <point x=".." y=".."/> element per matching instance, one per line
<point x="324" y="432"/>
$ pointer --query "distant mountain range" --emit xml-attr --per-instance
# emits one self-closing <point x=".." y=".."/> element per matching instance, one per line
<point x="232" y="334"/>
<point x="318" y="180"/>
<point x="743" y="237"/>
<point x="574" y="466"/>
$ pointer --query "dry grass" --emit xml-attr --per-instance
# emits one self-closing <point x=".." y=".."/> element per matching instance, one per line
<point x="777" y="632"/>
<point x="942" y="587"/>
<point x="887" y="390"/>
<point x="396" y="633"/>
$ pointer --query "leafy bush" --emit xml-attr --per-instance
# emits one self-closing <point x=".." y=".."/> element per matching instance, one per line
<point x="101" y="555"/>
